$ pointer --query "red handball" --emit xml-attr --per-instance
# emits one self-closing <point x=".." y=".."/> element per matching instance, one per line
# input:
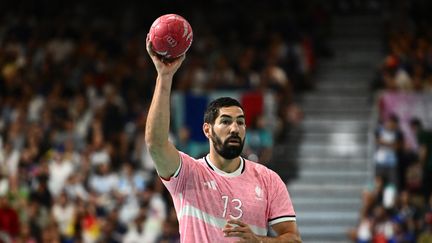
<point x="171" y="36"/>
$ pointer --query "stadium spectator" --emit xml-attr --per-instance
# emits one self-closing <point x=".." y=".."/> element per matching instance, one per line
<point x="259" y="141"/>
<point x="60" y="169"/>
<point x="25" y="235"/>
<point x="63" y="213"/>
<point x="135" y="232"/>
<point x="389" y="140"/>
<point x="37" y="217"/>
<point x="9" y="221"/>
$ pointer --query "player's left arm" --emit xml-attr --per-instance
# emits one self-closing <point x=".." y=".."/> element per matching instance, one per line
<point x="287" y="232"/>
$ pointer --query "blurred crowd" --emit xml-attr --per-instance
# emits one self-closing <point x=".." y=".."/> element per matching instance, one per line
<point x="407" y="65"/>
<point x="397" y="206"/>
<point x="75" y="85"/>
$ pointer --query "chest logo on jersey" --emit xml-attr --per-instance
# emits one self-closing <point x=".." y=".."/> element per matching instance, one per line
<point x="210" y="185"/>
<point x="258" y="193"/>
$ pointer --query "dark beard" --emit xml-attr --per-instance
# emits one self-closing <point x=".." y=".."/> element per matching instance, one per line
<point x="224" y="149"/>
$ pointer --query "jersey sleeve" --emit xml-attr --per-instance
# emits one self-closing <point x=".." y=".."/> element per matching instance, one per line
<point x="281" y="208"/>
<point x="176" y="183"/>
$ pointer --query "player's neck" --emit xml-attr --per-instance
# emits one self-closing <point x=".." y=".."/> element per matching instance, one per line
<point x="227" y="165"/>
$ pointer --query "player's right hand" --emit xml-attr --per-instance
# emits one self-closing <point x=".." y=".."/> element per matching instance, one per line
<point x="236" y="228"/>
<point x="164" y="67"/>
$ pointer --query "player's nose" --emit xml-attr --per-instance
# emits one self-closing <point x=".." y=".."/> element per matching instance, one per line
<point x="234" y="128"/>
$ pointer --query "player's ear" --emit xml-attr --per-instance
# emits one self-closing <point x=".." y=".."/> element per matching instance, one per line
<point x="206" y="129"/>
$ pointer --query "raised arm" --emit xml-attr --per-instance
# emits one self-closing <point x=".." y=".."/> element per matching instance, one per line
<point x="163" y="152"/>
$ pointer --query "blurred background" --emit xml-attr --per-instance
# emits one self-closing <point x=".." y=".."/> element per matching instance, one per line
<point x="337" y="95"/>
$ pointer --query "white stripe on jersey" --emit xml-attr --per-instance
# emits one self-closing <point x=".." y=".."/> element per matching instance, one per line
<point x="189" y="210"/>
<point x="282" y="219"/>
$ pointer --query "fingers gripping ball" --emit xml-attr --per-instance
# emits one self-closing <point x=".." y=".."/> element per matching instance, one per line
<point x="170" y="36"/>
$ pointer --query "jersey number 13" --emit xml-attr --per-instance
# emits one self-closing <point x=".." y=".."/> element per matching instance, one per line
<point x="237" y="211"/>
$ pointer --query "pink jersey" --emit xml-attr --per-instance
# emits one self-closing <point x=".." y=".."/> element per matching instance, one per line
<point x="206" y="197"/>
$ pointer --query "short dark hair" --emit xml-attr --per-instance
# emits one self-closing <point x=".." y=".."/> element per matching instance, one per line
<point x="212" y="111"/>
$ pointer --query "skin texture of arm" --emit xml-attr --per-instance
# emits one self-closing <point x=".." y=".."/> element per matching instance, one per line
<point x="163" y="152"/>
<point x="287" y="232"/>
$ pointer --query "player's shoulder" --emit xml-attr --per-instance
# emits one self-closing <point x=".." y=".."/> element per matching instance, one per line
<point x="259" y="168"/>
<point x="186" y="158"/>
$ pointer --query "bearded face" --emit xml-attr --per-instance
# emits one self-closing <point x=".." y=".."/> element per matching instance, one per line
<point x="230" y="148"/>
<point x="227" y="133"/>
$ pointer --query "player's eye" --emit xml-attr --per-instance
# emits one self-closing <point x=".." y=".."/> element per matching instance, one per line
<point x="240" y="122"/>
<point x="225" y="122"/>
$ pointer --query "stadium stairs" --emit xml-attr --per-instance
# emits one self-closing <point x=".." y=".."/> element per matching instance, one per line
<point x="333" y="148"/>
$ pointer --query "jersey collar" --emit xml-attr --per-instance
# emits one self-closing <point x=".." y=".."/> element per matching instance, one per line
<point x="237" y="172"/>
